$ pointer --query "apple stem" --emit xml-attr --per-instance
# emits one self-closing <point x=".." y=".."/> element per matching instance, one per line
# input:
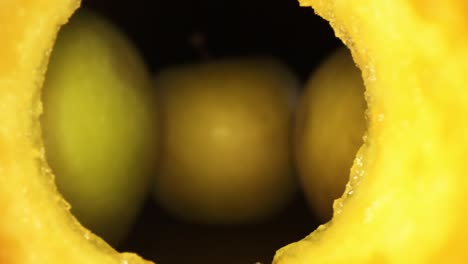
<point x="198" y="42"/>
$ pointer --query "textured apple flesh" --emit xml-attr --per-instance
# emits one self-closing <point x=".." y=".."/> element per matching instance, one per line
<point x="405" y="200"/>
<point x="36" y="225"/>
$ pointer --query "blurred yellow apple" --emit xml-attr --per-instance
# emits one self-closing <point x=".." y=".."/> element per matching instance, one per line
<point x="329" y="128"/>
<point x="99" y="124"/>
<point x="225" y="146"/>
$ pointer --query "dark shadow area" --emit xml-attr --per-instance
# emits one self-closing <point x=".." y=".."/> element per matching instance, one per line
<point x="162" y="30"/>
<point x="159" y="237"/>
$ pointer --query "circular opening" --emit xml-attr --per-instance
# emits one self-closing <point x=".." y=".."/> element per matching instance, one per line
<point x="170" y="33"/>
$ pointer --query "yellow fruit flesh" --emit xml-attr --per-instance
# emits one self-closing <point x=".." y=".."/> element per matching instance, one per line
<point x="35" y="225"/>
<point x="406" y="203"/>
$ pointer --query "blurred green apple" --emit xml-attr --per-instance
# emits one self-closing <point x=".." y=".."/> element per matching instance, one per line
<point x="226" y="156"/>
<point x="330" y="125"/>
<point x="98" y="124"/>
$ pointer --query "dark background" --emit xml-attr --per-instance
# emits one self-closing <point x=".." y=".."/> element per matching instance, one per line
<point x="163" y="30"/>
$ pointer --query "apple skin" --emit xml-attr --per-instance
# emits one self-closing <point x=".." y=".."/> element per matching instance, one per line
<point x="330" y="125"/>
<point x="226" y="156"/>
<point x="99" y="124"/>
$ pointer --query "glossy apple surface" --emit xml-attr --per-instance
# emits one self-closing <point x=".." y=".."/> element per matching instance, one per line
<point x="225" y="140"/>
<point x="98" y="124"/>
<point x="329" y="128"/>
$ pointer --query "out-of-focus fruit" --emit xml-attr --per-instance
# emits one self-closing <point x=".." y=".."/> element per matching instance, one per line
<point x="98" y="124"/>
<point x="225" y="149"/>
<point x="35" y="224"/>
<point x="406" y="200"/>
<point x="329" y="128"/>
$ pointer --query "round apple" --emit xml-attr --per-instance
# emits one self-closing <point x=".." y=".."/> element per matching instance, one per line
<point x="98" y="124"/>
<point x="329" y="128"/>
<point x="225" y="140"/>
